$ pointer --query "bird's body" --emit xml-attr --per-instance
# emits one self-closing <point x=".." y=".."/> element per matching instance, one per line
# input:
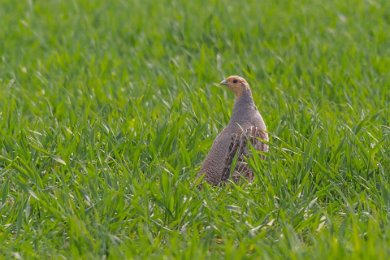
<point x="246" y="124"/>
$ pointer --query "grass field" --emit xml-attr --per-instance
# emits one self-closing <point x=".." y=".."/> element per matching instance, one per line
<point x="107" y="109"/>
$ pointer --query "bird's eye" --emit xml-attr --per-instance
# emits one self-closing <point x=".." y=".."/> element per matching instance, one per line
<point x="235" y="81"/>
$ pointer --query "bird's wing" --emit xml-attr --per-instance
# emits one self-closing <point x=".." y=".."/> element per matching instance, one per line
<point x="238" y="151"/>
<point x="258" y="138"/>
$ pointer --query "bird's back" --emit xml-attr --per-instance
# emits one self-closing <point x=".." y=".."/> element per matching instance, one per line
<point x="214" y="163"/>
<point x="231" y="142"/>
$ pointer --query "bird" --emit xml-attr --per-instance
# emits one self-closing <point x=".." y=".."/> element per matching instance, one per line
<point x="230" y="147"/>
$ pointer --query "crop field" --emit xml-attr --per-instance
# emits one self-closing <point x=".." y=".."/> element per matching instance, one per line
<point x="108" y="108"/>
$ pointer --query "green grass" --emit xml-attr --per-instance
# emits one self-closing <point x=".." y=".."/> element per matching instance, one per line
<point x="107" y="109"/>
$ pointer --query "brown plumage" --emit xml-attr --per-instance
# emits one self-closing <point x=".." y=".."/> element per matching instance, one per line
<point x="230" y="147"/>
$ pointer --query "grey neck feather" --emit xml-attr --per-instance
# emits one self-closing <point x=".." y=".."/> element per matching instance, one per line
<point x="243" y="107"/>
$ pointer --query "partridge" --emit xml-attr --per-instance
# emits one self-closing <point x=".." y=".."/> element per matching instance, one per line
<point x="230" y="147"/>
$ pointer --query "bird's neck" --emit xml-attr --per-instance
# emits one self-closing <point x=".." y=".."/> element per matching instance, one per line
<point x="242" y="106"/>
<point x="244" y="99"/>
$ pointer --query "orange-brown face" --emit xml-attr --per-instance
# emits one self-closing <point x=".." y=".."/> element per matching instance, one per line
<point x="236" y="83"/>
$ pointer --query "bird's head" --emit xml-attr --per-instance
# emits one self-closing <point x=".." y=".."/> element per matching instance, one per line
<point x="236" y="84"/>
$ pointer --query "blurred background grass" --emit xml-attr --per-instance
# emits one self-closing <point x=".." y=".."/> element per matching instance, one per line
<point x="108" y="108"/>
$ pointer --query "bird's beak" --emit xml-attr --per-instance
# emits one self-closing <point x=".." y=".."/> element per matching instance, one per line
<point x="223" y="82"/>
